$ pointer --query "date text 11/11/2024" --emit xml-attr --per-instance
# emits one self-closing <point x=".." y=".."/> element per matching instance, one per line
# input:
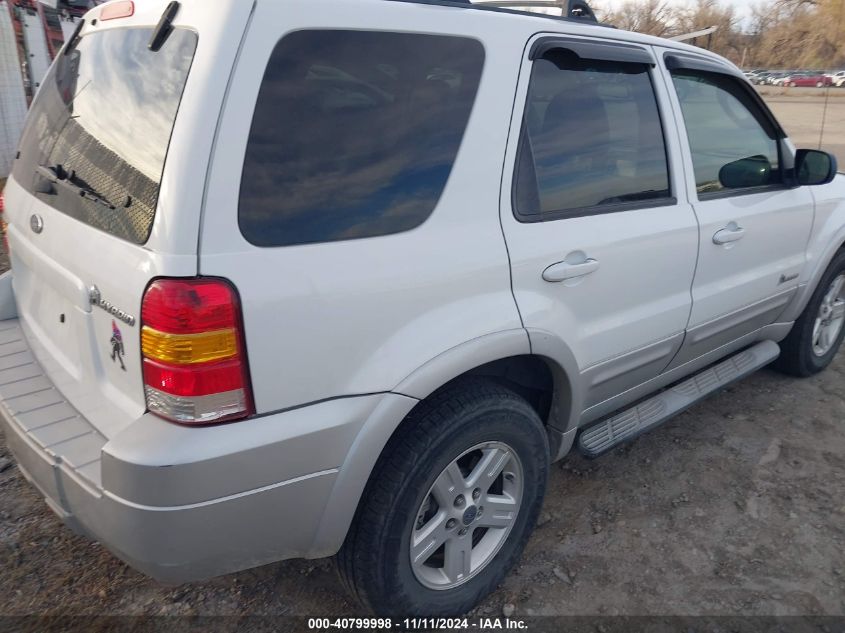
<point x="417" y="624"/>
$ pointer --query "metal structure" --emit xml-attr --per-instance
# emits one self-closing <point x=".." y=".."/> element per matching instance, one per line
<point x="578" y="9"/>
<point x="12" y="95"/>
<point x="696" y="34"/>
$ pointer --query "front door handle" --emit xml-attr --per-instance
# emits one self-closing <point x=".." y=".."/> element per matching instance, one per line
<point x="731" y="233"/>
<point x="563" y="270"/>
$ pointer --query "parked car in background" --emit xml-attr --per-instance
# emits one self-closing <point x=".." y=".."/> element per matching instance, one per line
<point x="776" y="78"/>
<point x="838" y="79"/>
<point x="806" y="79"/>
<point x="760" y="77"/>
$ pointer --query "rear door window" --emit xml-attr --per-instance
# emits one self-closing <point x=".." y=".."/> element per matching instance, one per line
<point x="354" y="134"/>
<point x="592" y="139"/>
<point x="100" y="128"/>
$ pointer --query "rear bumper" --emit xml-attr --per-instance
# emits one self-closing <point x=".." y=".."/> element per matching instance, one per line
<point x="181" y="543"/>
<point x="181" y="503"/>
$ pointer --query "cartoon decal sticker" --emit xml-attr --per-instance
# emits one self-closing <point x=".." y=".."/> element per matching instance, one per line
<point x="117" y="345"/>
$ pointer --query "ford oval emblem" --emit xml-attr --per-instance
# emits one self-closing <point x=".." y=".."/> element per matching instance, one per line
<point x="36" y="223"/>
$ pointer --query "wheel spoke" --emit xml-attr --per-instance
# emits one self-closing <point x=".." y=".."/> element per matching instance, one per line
<point x="448" y="485"/>
<point x="457" y="564"/>
<point x="490" y="466"/>
<point x="824" y="337"/>
<point x="838" y="309"/>
<point x="817" y="332"/>
<point x="499" y="511"/>
<point x="425" y="541"/>
<point x="836" y="288"/>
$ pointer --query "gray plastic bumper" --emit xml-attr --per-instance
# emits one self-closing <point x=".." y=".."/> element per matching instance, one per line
<point x="179" y="503"/>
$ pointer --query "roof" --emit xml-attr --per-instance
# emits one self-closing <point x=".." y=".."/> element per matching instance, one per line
<point x="548" y="23"/>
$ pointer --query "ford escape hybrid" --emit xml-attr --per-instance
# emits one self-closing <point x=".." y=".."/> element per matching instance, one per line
<point x="305" y="278"/>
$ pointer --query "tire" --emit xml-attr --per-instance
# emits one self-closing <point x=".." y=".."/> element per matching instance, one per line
<point x="375" y="560"/>
<point x="800" y="356"/>
<point x="819" y="84"/>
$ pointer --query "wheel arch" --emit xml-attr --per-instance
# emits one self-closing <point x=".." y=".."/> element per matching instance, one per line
<point x="505" y="357"/>
<point x="835" y="246"/>
<point x="523" y="359"/>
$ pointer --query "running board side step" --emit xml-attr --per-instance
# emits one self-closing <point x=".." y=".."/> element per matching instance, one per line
<point x="606" y="434"/>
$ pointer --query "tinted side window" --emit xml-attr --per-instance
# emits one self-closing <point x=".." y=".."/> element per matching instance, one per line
<point x="724" y="125"/>
<point x="591" y="138"/>
<point x="354" y="134"/>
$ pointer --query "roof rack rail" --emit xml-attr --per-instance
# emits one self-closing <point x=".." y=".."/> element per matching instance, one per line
<point x="571" y="10"/>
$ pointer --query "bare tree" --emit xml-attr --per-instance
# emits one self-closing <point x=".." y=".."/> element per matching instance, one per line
<point x="652" y="17"/>
<point x="779" y="34"/>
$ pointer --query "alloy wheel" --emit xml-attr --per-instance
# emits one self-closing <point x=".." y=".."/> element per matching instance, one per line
<point x="830" y="317"/>
<point x="466" y="516"/>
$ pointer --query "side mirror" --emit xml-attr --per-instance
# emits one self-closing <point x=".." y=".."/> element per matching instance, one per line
<point x="814" y="167"/>
<point x="752" y="171"/>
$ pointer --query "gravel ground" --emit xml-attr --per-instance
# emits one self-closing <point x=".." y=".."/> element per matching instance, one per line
<point x="736" y="507"/>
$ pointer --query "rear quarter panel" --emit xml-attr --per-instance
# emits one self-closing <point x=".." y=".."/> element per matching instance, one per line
<point x="358" y="316"/>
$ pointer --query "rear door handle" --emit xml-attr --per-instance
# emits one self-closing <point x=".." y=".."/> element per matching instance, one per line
<point x="731" y="233"/>
<point x="563" y="271"/>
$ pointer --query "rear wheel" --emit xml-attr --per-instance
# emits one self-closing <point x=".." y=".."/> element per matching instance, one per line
<point x="818" y="332"/>
<point x="819" y="84"/>
<point x="450" y="504"/>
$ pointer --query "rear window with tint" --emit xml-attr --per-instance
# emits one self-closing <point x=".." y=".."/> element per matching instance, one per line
<point x="102" y="123"/>
<point x="354" y="134"/>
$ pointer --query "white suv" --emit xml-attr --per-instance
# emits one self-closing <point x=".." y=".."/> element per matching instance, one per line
<point x="297" y="278"/>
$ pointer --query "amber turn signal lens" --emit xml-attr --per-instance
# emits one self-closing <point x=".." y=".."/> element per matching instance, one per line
<point x="188" y="349"/>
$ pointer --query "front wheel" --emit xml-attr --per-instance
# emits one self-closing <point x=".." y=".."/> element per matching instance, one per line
<point x="818" y="332"/>
<point x="819" y="84"/>
<point x="450" y="504"/>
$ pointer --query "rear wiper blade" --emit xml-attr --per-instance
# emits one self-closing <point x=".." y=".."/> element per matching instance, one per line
<point x="47" y="177"/>
<point x="56" y="175"/>
<point x="164" y="28"/>
<point x="71" y="42"/>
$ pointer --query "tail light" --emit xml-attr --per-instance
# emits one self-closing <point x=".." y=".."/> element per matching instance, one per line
<point x="195" y="366"/>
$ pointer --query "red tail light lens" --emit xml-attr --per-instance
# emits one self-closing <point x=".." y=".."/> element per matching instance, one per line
<point x="195" y="367"/>
<point x="188" y="382"/>
<point x="190" y="306"/>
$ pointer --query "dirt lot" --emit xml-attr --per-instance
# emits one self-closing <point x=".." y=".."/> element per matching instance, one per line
<point x="737" y="507"/>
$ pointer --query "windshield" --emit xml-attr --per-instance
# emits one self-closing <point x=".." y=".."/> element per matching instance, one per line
<point x="97" y="135"/>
